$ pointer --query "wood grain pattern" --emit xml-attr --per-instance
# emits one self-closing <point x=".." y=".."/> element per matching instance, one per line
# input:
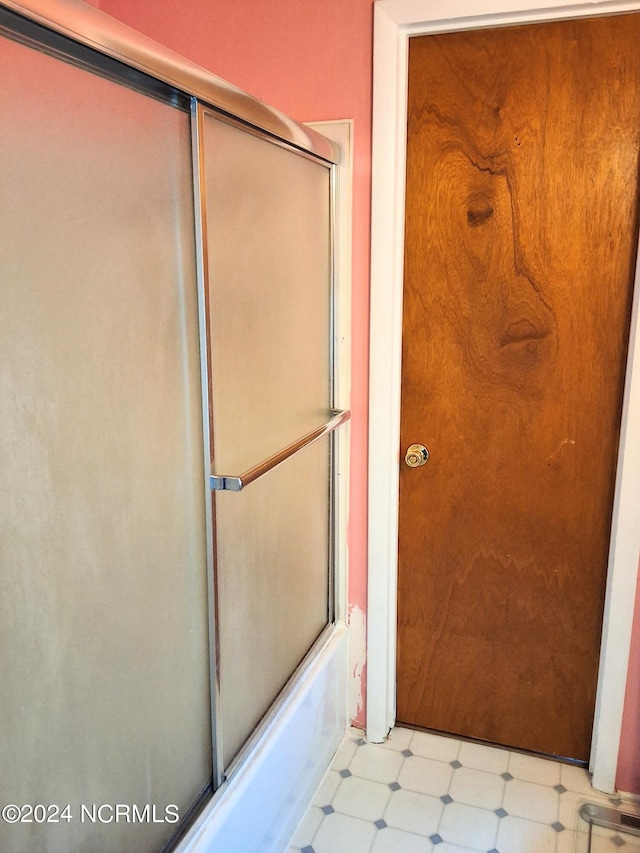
<point x="521" y="226"/>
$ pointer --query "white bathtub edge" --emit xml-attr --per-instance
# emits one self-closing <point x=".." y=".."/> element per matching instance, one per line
<point x="260" y="807"/>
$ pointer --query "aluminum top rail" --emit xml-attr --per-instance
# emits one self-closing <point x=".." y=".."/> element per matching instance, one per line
<point x="99" y="31"/>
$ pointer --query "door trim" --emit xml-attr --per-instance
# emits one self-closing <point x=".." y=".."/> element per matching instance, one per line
<point x="395" y="21"/>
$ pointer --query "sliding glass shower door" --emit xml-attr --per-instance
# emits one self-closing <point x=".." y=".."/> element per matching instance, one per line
<point x="104" y="658"/>
<point x="267" y="239"/>
<point x="166" y="437"/>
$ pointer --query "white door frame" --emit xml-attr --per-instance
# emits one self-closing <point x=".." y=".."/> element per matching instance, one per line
<point x="394" y="22"/>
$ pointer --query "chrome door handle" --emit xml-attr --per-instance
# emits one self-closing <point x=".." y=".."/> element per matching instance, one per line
<point x="416" y="456"/>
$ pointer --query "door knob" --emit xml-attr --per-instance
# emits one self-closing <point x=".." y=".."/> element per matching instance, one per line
<point x="416" y="455"/>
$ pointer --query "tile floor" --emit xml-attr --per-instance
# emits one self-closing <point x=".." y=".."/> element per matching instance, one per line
<point x="420" y="792"/>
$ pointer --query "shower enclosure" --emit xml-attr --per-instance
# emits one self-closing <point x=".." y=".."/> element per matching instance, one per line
<point x="168" y="428"/>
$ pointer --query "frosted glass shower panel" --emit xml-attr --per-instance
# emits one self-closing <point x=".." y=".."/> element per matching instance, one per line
<point x="267" y="214"/>
<point x="273" y="559"/>
<point x="103" y="616"/>
<point x="269" y="273"/>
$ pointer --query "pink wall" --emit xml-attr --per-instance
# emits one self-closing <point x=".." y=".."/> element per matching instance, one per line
<point x="314" y="61"/>
<point x="628" y="777"/>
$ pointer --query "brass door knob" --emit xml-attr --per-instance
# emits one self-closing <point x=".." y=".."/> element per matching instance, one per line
<point x="416" y="455"/>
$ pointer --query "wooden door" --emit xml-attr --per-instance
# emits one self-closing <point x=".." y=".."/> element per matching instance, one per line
<point x="521" y="223"/>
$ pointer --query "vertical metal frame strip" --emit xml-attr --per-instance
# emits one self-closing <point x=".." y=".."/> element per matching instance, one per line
<point x="341" y="134"/>
<point x="202" y="266"/>
<point x="333" y="367"/>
